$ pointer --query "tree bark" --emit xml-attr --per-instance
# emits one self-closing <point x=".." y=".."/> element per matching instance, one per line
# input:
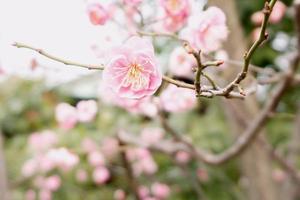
<point x="255" y="162"/>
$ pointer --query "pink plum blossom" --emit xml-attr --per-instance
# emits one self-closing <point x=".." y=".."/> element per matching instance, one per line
<point x="42" y="141"/>
<point x="182" y="157"/>
<point x="152" y="135"/>
<point x="101" y="175"/>
<point x="95" y="158"/>
<point x="62" y="158"/>
<point x="66" y="115"/>
<point x="109" y="147"/>
<point x="142" y="160"/>
<point x="278" y="175"/>
<point x="176" y="13"/>
<point x="45" y="195"/>
<point x="29" y="168"/>
<point x="132" y="3"/>
<point x="133" y="71"/>
<point x="160" y="190"/>
<point x="88" y="145"/>
<point x="119" y="195"/>
<point x="206" y="30"/>
<point x="97" y="13"/>
<point x="181" y="63"/>
<point x="143" y="191"/>
<point x="202" y="175"/>
<point x="276" y="16"/>
<point x="30" y="195"/>
<point x="175" y="99"/>
<point x="86" y="110"/>
<point x="81" y="175"/>
<point x="52" y="183"/>
<point x="144" y="106"/>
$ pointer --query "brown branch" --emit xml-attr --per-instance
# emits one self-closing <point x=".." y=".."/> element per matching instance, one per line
<point x="205" y="93"/>
<point x="249" y="54"/>
<point x="131" y="179"/>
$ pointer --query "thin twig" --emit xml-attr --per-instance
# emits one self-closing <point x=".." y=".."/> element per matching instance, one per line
<point x="131" y="179"/>
<point x="249" y="54"/>
<point x="205" y="93"/>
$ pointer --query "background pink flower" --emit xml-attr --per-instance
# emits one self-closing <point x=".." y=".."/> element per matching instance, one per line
<point x="132" y="71"/>
<point x="175" y="99"/>
<point x="276" y="16"/>
<point x="101" y="175"/>
<point x="66" y="115"/>
<point x="42" y="141"/>
<point x="206" y="30"/>
<point x="97" y="13"/>
<point x="95" y="158"/>
<point x="160" y="190"/>
<point x="181" y="63"/>
<point x="86" y="110"/>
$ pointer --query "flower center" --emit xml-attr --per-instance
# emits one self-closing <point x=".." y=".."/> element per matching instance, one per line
<point x="135" y="77"/>
<point x="174" y="4"/>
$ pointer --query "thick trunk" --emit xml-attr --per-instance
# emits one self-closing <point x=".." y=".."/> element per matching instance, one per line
<point x="255" y="162"/>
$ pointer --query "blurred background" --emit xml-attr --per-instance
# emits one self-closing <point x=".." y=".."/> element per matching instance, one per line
<point x="40" y="159"/>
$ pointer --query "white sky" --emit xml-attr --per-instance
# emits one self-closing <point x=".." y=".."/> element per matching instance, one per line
<point x="61" y="27"/>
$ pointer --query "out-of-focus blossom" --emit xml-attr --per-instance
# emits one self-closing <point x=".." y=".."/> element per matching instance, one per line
<point x="175" y="99"/>
<point x="202" y="175"/>
<point x="142" y="161"/>
<point x="206" y="30"/>
<point x="62" y="158"/>
<point x="160" y="190"/>
<point x="276" y="16"/>
<point x="81" y="175"/>
<point x="66" y="115"/>
<point x="181" y="63"/>
<point x="42" y="141"/>
<point x="143" y="191"/>
<point x="45" y="195"/>
<point x="176" y="13"/>
<point x="97" y="13"/>
<point x="132" y="3"/>
<point x="145" y="106"/>
<point x="29" y="168"/>
<point x="86" y="110"/>
<point x="30" y="195"/>
<point x="101" y="175"/>
<point x="52" y="183"/>
<point x="119" y="195"/>
<point x="88" y="145"/>
<point x="96" y="158"/>
<point x="278" y="175"/>
<point x="152" y="135"/>
<point x="109" y="147"/>
<point x="182" y="157"/>
<point x="133" y="71"/>
<point x="222" y="55"/>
